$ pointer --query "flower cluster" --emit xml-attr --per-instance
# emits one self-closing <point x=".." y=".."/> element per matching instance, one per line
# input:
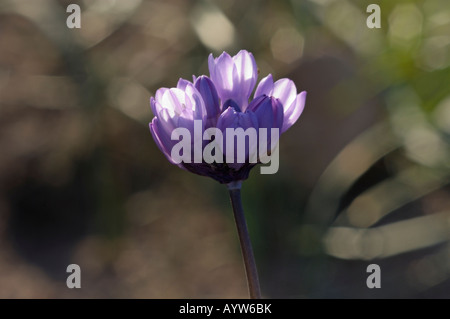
<point x="221" y="101"/>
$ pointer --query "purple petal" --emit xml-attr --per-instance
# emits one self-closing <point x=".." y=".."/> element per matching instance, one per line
<point x="194" y="102"/>
<point x="208" y="92"/>
<point x="182" y="83"/>
<point x="159" y="93"/>
<point x="227" y="119"/>
<point x="265" y="86"/>
<point x="186" y="119"/>
<point x="165" y="149"/>
<point x="294" y="111"/>
<point x="231" y="103"/>
<point x="156" y="107"/>
<point x="285" y="91"/>
<point x="166" y="124"/>
<point x="221" y="71"/>
<point x="245" y="77"/>
<point x="246" y="66"/>
<point x="278" y="111"/>
<point x="234" y="78"/>
<point x="172" y="100"/>
<point x="153" y="106"/>
<point x="230" y="118"/>
<point x="262" y="107"/>
<point x="268" y="110"/>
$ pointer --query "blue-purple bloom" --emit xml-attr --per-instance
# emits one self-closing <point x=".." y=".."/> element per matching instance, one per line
<point x="221" y="101"/>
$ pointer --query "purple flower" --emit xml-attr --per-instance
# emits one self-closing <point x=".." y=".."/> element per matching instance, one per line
<point x="209" y="127"/>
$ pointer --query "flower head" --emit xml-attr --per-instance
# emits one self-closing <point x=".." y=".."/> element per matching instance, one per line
<point x="209" y="127"/>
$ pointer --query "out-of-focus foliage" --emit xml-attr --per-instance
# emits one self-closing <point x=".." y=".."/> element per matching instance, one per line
<point x="363" y="174"/>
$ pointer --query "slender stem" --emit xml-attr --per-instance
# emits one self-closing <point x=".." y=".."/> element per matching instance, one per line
<point x="244" y="238"/>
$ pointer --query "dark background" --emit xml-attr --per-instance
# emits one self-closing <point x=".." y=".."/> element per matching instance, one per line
<point x="363" y="174"/>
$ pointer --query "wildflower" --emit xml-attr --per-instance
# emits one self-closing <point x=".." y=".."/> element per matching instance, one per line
<point x="209" y="127"/>
<point x="207" y="114"/>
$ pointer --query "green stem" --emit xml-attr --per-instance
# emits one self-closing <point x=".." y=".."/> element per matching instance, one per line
<point x="234" y="189"/>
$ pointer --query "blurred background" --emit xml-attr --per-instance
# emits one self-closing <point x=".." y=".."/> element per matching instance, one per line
<point x="364" y="173"/>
